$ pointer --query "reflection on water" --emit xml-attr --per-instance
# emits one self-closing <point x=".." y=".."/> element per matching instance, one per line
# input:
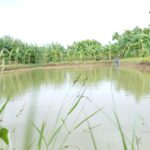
<point x="37" y="96"/>
<point x="132" y="81"/>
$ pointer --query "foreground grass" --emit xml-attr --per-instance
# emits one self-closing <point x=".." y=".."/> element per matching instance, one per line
<point x="61" y="123"/>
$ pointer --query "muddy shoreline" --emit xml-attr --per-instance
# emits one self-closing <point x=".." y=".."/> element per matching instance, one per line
<point x="144" y="67"/>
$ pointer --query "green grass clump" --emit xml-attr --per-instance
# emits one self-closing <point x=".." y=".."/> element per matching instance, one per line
<point x="4" y="131"/>
<point x="136" y="60"/>
<point x="146" y="60"/>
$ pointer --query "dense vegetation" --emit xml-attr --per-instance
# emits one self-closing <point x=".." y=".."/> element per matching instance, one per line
<point x="131" y="43"/>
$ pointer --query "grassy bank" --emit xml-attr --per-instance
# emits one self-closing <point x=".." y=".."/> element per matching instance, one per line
<point x="139" y="63"/>
<point x="138" y="60"/>
<point x="142" y="64"/>
<point x="54" y="65"/>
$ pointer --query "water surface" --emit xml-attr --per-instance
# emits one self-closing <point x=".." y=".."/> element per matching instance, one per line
<point x="37" y="95"/>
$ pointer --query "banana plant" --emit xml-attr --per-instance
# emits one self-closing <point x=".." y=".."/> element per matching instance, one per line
<point x="4" y="57"/>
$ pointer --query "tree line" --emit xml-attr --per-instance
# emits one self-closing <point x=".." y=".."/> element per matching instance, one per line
<point x="131" y="43"/>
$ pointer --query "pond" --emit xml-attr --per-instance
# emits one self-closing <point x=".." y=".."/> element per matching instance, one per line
<point x="84" y="98"/>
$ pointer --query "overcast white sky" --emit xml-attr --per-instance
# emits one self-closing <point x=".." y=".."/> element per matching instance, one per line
<point x="65" y="21"/>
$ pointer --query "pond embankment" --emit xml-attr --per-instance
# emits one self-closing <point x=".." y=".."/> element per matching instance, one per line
<point x="142" y="64"/>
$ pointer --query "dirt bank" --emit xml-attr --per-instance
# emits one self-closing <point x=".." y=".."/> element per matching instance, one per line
<point x="140" y="66"/>
<point x="144" y="67"/>
<point x="21" y="67"/>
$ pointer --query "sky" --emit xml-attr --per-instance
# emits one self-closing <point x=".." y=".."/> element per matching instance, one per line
<point x="66" y="21"/>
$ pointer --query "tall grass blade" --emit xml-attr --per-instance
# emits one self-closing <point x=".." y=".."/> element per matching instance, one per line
<point x="4" y="131"/>
<point x="109" y="119"/>
<point x="4" y="105"/>
<point x="120" y="130"/>
<point x="133" y="137"/>
<point x="88" y="117"/>
<point x="76" y="104"/>
<point x="30" y="146"/>
<point x="92" y="136"/>
<point x="61" y="108"/>
<point x="54" y="134"/>
<point x="116" y="125"/>
<point x="40" y="139"/>
<point x="41" y="135"/>
<point x="65" y="139"/>
<point x="138" y="143"/>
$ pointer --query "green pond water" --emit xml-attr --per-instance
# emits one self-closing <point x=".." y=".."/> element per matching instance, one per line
<point x="37" y="95"/>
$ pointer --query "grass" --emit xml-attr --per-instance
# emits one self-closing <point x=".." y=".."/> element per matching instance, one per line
<point x="86" y="119"/>
<point x="92" y="136"/>
<point x="41" y="133"/>
<point x="52" y="64"/>
<point x="50" y="143"/>
<point x="146" y="60"/>
<point x="3" y="130"/>
<point x="4" y="105"/>
<point x="120" y="130"/>
<point x="136" y="60"/>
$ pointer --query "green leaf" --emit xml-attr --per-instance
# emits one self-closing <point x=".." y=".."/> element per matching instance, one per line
<point x="76" y="104"/>
<point x="88" y="117"/>
<point x="92" y="135"/>
<point x="120" y="130"/>
<point x="4" y="135"/>
<point x="4" y="105"/>
<point x="41" y="135"/>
